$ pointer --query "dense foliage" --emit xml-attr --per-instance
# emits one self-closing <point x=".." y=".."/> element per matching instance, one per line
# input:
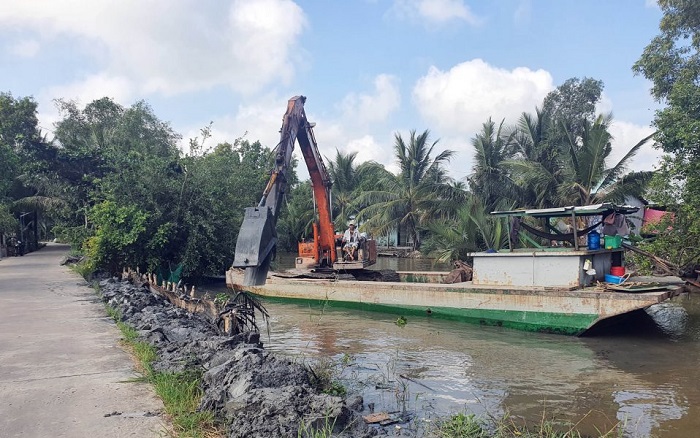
<point x="114" y="182"/>
<point x="672" y="62"/>
<point x="18" y="131"/>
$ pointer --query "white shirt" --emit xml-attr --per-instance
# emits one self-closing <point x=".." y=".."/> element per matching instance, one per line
<point x="351" y="238"/>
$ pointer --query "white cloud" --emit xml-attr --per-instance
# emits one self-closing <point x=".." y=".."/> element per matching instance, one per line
<point x="359" y="124"/>
<point x="84" y="91"/>
<point x="92" y="87"/>
<point x="454" y="104"/>
<point x="25" y="48"/>
<point x="434" y="12"/>
<point x="333" y="135"/>
<point x="373" y="108"/>
<point x="368" y="149"/>
<point x="625" y="136"/>
<point x="263" y="41"/>
<point x="260" y="120"/>
<point x="651" y="4"/>
<point x="460" y="100"/>
<point x="174" y="47"/>
<point x="604" y="105"/>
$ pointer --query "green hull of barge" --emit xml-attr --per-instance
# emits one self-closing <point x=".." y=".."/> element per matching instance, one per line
<point x="544" y="322"/>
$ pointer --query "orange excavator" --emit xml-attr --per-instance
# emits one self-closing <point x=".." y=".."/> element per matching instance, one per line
<point x="257" y="238"/>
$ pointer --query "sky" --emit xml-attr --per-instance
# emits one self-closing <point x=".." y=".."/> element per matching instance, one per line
<point x="369" y="68"/>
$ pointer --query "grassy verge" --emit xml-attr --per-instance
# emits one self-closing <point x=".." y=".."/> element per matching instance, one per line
<point x="179" y="391"/>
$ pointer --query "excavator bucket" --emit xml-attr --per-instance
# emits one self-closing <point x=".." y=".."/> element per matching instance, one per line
<point x="256" y="240"/>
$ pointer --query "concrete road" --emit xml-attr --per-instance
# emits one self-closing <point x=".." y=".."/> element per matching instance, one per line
<point x="62" y="371"/>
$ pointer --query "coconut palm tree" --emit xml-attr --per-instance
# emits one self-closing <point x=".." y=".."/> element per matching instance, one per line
<point x="587" y="179"/>
<point x="555" y="167"/>
<point x="297" y="218"/>
<point x="349" y="180"/>
<point x="343" y="173"/>
<point x="536" y="168"/>
<point x="471" y="229"/>
<point x="490" y="179"/>
<point x="407" y="201"/>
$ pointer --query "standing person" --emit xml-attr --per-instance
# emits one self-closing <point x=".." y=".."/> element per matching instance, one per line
<point x="351" y="241"/>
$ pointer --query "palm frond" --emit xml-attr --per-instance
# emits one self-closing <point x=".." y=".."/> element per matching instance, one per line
<point x="37" y="202"/>
<point x="618" y="169"/>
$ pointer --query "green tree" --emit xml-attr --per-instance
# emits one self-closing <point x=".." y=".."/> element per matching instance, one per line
<point x="19" y="130"/>
<point x="537" y="167"/>
<point x="549" y="172"/>
<point x="25" y="160"/>
<point x="113" y="159"/>
<point x="8" y="223"/>
<point x="10" y="134"/>
<point x="587" y="178"/>
<point x="409" y="200"/>
<point x="470" y="229"/>
<point x="349" y="180"/>
<point x="215" y="189"/>
<point x="111" y="152"/>
<point x="346" y="179"/>
<point x="490" y="179"/>
<point x="572" y="103"/>
<point x="297" y="217"/>
<point x="671" y="61"/>
<point x="116" y="242"/>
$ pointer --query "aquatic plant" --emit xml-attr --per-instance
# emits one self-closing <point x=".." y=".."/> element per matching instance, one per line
<point x="327" y="375"/>
<point x="462" y="426"/>
<point x="307" y="430"/>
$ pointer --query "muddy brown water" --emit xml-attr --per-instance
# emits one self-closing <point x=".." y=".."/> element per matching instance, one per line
<point x="644" y="375"/>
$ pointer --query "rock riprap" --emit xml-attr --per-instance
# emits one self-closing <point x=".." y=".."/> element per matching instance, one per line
<point x="254" y="392"/>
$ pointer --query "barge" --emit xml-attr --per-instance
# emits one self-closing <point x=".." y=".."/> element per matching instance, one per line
<point x="555" y="289"/>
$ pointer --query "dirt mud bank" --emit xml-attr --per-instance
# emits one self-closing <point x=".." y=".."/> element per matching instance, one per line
<point x="253" y="392"/>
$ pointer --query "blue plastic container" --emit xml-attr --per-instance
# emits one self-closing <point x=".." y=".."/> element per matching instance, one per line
<point x="593" y="240"/>
<point x="614" y="279"/>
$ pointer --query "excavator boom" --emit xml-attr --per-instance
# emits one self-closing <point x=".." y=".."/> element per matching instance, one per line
<point x="257" y="238"/>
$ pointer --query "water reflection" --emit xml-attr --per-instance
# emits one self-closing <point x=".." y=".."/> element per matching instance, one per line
<point x="438" y="367"/>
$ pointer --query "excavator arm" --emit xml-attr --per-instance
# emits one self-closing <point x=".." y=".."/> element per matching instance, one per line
<point x="324" y="232"/>
<point x="257" y="237"/>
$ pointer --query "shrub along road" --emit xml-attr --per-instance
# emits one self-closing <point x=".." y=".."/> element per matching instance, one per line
<point x="62" y="372"/>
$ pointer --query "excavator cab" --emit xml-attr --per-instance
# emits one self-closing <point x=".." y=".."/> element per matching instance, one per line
<point x="358" y="258"/>
<point x="363" y="256"/>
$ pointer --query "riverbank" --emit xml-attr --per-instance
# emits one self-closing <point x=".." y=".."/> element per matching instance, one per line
<point x="62" y="372"/>
<point x="253" y="392"/>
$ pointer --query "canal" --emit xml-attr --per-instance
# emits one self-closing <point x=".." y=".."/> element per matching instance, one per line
<point x="644" y="375"/>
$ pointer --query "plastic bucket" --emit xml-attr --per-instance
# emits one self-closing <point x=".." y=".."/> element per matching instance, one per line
<point x="593" y="240"/>
<point x="613" y="242"/>
<point x="618" y="271"/>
